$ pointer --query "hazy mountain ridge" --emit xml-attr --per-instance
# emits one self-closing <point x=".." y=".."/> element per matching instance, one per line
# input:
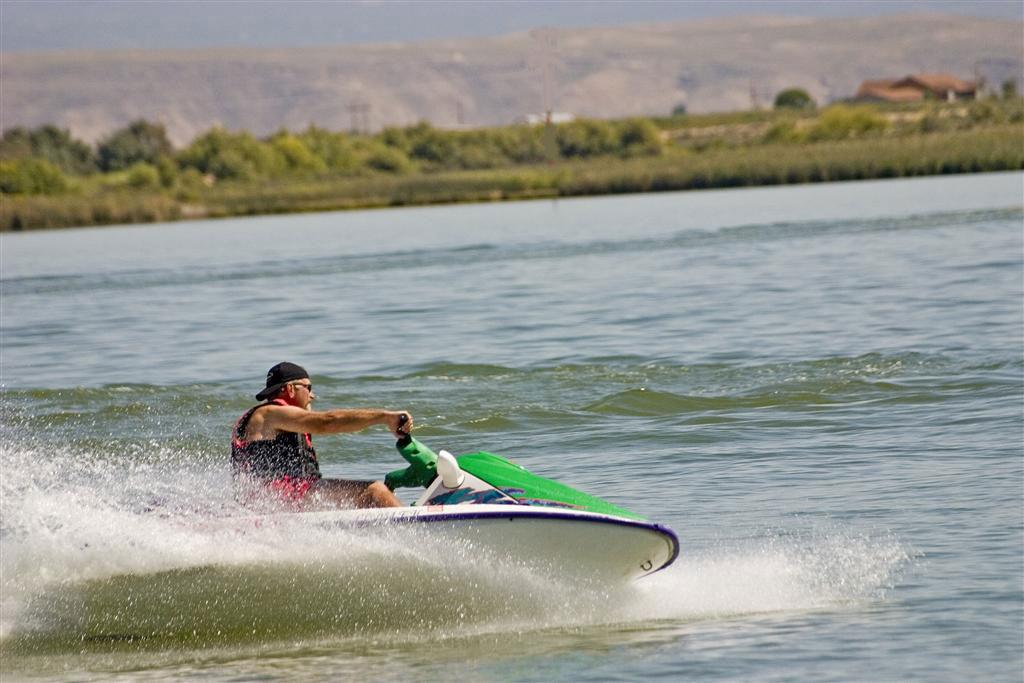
<point x="604" y="72"/>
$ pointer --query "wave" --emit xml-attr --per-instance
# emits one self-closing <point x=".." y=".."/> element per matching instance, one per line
<point x="475" y="254"/>
<point x="651" y="388"/>
<point x="497" y="398"/>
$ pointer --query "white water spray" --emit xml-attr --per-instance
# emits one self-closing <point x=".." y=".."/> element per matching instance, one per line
<point x="92" y="549"/>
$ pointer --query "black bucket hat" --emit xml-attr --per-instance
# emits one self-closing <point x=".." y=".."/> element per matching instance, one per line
<point x="279" y="375"/>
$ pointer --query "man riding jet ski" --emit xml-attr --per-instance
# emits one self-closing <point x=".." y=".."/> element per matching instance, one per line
<point x="272" y="454"/>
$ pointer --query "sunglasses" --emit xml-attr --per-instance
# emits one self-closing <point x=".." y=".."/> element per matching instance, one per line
<point x="307" y="387"/>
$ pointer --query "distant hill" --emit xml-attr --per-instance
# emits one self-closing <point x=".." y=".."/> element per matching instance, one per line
<point x="712" y="65"/>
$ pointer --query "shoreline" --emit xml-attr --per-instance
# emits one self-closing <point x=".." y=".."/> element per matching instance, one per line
<point x="987" y="149"/>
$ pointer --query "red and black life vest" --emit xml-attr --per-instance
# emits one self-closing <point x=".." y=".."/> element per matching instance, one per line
<point x="289" y="454"/>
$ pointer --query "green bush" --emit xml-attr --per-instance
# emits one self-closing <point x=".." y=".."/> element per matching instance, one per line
<point x="426" y="143"/>
<point x="168" y="171"/>
<point x="840" y="122"/>
<point x="437" y="149"/>
<point x="932" y="121"/>
<point x="335" y="150"/>
<point x="51" y="144"/>
<point x="639" y="137"/>
<point x="143" y="176"/>
<point x="190" y="185"/>
<point x="479" y="156"/>
<point x="1009" y="89"/>
<point x="794" y="98"/>
<point x="233" y="164"/>
<point x="784" y="131"/>
<point x="986" y="111"/>
<point x="140" y="141"/>
<point x="295" y="156"/>
<point x="586" y="138"/>
<point x="237" y="156"/>
<point x="31" y="176"/>
<point x="521" y="144"/>
<point x="388" y="159"/>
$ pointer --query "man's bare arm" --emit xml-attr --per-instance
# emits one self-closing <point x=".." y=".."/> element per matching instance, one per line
<point x="293" y="419"/>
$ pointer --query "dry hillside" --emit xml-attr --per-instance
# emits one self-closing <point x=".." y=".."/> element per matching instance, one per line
<point x="606" y="72"/>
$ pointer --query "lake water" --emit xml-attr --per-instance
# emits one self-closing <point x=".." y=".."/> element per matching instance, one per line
<point x="820" y="388"/>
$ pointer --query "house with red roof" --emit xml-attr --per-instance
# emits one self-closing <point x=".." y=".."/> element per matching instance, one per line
<point x="945" y="87"/>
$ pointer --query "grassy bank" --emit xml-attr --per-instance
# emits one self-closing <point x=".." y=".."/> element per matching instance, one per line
<point x="680" y="167"/>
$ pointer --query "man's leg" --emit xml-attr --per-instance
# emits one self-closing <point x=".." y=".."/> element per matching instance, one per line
<point x="350" y="493"/>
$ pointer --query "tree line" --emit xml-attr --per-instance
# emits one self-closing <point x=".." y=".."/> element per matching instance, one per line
<point x="49" y="160"/>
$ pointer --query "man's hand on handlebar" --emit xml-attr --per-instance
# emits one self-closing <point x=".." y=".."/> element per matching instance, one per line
<point x="400" y="423"/>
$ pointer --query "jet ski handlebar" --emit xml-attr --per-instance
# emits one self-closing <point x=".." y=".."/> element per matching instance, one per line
<point x="403" y="420"/>
<point x="422" y="461"/>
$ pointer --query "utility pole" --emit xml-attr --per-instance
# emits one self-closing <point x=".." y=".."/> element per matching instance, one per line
<point x="546" y="40"/>
<point x="353" y="111"/>
<point x="360" y="113"/>
<point x="366" y="117"/>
